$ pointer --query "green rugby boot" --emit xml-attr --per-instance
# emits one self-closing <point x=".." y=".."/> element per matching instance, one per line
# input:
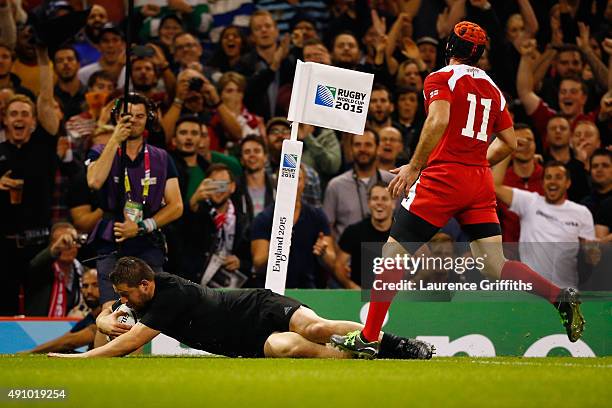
<point x="568" y="305"/>
<point x="354" y="344"/>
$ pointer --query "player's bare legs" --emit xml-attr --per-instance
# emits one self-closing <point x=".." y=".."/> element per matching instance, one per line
<point x="308" y="336"/>
<point x="293" y="345"/>
<point x="497" y="267"/>
<point x="314" y="328"/>
<point x="307" y="323"/>
<point x="490" y="250"/>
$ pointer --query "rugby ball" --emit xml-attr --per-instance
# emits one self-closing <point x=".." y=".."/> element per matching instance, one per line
<point x="130" y="318"/>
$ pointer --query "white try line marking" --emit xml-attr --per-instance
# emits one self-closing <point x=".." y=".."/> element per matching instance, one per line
<point x="528" y="363"/>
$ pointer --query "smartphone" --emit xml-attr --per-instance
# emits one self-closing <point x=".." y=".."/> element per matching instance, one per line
<point x="221" y="185"/>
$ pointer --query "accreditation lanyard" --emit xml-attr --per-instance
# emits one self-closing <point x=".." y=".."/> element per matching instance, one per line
<point x="147" y="179"/>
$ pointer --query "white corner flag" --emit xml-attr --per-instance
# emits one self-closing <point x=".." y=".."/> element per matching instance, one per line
<point x="322" y="96"/>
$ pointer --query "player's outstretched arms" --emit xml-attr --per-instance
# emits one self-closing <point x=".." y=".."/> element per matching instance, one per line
<point x="504" y="193"/>
<point x="131" y="341"/>
<point x="67" y="342"/>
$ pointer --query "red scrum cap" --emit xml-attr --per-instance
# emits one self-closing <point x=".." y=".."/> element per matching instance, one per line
<point x="466" y="43"/>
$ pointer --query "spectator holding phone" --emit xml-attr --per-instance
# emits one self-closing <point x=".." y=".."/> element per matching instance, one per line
<point x="220" y="239"/>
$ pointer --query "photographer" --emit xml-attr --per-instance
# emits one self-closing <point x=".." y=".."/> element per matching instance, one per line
<point x="137" y="200"/>
<point x="53" y="280"/>
<point x="220" y="236"/>
<point x="196" y="95"/>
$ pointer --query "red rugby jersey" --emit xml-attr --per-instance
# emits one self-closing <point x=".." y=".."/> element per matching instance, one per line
<point x="477" y="110"/>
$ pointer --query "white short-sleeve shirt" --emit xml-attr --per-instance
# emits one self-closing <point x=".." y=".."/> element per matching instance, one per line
<point x="550" y="235"/>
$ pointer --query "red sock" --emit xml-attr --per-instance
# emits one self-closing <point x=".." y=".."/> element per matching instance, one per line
<point x="380" y="301"/>
<point x="375" y="319"/>
<point x="514" y="270"/>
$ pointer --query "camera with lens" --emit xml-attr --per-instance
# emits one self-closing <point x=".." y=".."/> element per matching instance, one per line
<point x="195" y="84"/>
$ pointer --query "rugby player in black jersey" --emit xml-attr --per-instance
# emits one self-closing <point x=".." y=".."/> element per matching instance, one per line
<point x="244" y="323"/>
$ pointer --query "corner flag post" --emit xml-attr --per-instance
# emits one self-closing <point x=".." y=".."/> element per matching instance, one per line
<point x="284" y="208"/>
<point x="323" y="96"/>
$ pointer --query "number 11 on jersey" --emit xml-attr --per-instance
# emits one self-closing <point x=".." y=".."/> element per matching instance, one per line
<point x="468" y="130"/>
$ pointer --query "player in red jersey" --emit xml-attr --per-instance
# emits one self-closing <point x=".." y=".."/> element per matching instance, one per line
<point x="449" y="176"/>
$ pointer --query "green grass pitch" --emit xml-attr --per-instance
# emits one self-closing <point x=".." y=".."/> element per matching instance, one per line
<point x="141" y="382"/>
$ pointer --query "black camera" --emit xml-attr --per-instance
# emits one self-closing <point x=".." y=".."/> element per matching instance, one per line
<point x="195" y="84"/>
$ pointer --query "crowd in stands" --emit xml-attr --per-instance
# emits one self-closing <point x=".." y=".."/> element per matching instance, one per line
<point x="217" y="78"/>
